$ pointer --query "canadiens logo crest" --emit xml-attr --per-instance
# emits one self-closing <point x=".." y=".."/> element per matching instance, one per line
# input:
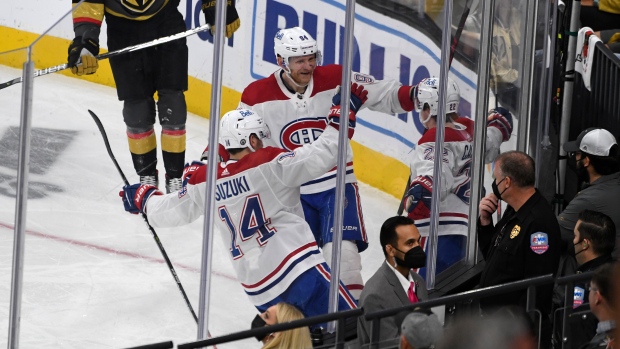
<point x="138" y="5"/>
<point x="301" y="131"/>
<point x="359" y="77"/>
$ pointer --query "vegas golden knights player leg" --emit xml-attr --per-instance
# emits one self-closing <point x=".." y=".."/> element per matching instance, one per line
<point x="139" y="75"/>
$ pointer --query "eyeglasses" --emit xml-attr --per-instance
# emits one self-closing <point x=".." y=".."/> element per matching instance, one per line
<point x="573" y="154"/>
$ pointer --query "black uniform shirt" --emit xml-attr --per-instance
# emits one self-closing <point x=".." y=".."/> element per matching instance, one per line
<point x="522" y="245"/>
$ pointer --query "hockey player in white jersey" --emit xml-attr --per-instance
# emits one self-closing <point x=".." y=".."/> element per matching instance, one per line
<point x="294" y="101"/>
<point x="271" y="246"/>
<point x="455" y="170"/>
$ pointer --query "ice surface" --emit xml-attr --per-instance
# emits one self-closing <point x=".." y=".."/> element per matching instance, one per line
<point x="93" y="275"/>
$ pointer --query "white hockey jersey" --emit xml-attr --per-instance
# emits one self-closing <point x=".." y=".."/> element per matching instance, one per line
<point x="456" y="167"/>
<point x="259" y="213"/>
<point x="296" y="119"/>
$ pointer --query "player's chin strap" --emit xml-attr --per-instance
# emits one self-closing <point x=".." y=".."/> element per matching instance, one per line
<point x="425" y="120"/>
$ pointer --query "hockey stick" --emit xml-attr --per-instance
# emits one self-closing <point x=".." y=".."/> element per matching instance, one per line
<point x="107" y="55"/>
<point x="455" y="42"/>
<point x="159" y="244"/>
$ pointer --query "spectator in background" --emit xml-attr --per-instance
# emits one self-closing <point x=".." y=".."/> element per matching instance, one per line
<point x="525" y="242"/>
<point x="421" y="329"/>
<point x="277" y="314"/>
<point x="594" y="239"/>
<point x="611" y="38"/>
<point x="510" y="327"/>
<point x="394" y="284"/>
<point x="600" y="14"/>
<point x="602" y="300"/>
<point x="596" y="153"/>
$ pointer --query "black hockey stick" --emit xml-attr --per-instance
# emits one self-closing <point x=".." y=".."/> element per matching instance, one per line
<point x="455" y="42"/>
<point x="107" y="55"/>
<point x="159" y="244"/>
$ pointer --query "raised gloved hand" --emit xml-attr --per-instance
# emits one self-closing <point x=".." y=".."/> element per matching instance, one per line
<point x="419" y="197"/>
<point x="135" y="197"/>
<point x="194" y="173"/>
<point x="358" y="96"/>
<point x="501" y="119"/>
<point x="232" y="17"/>
<point x="82" y="58"/>
<point x="222" y="154"/>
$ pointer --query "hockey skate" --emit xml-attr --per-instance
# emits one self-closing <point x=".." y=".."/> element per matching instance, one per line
<point x="173" y="184"/>
<point x="150" y="180"/>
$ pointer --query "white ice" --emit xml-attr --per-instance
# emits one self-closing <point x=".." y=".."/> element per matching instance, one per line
<point x="93" y="275"/>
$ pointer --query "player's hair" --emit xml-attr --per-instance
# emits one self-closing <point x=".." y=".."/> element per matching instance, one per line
<point x="518" y="166"/>
<point x="599" y="229"/>
<point x="295" y="338"/>
<point x="602" y="279"/>
<point x="388" y="235"/>
<point x="450" y="117"/>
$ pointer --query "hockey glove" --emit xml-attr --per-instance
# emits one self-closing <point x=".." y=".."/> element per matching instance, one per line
<point x="501" y="119"/>
<point x="232" y="17"/>
<point x="358" y="96"/>
<point x="82" y="58"/>
<point x="194" y="173"/>
<point x="419" y="197"/>
<point x="222" y="154"/>
<point x="135" y="197"/>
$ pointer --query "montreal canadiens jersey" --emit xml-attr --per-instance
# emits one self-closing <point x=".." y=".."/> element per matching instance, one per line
<point x="455" y="183"/>
<point x="296" y="119"/>
<point x="258" y="213"/>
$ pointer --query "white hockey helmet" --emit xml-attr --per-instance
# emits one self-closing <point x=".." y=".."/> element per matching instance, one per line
<point x="295" y="42"/>
<point x="236" y="127"/>
<point x="427" y="93"/>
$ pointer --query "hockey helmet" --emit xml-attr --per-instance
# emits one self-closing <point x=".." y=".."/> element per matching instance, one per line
<point x="236" y="127"/>
<point x="295" y="42"/>
<point x="427" y="93"/>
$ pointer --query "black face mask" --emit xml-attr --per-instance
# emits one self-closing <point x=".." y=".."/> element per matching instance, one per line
<point x="583" y="249"/>
<point x="414" y="258"/>
<point x="496" y="189"/>
<point x="258" y="322"/>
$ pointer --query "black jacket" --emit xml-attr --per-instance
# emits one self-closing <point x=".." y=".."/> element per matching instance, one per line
<point x="581" y="322"/>
<point x="522" y="245"/>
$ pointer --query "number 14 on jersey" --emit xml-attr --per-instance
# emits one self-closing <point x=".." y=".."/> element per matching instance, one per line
<point x="253" y="222"/>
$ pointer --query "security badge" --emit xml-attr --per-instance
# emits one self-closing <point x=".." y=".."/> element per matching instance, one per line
<point x="539" y="242"/>
<point x="515" y="231"/>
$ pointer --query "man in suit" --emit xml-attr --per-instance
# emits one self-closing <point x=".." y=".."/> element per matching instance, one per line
<point x="394" y="284"/>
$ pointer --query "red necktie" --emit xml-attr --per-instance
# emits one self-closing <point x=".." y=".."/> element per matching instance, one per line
<point x="412" y="296"/>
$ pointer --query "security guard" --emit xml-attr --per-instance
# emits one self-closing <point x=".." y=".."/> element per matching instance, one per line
<point x="525" y="242"/>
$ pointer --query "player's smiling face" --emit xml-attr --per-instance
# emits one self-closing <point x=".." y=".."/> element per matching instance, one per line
<point x="301" y="68"/>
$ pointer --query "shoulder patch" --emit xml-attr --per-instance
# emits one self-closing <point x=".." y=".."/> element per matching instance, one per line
<point x="539" y="242"/>
<point x="363" y="78"/>
<point x="578" y="296"/>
